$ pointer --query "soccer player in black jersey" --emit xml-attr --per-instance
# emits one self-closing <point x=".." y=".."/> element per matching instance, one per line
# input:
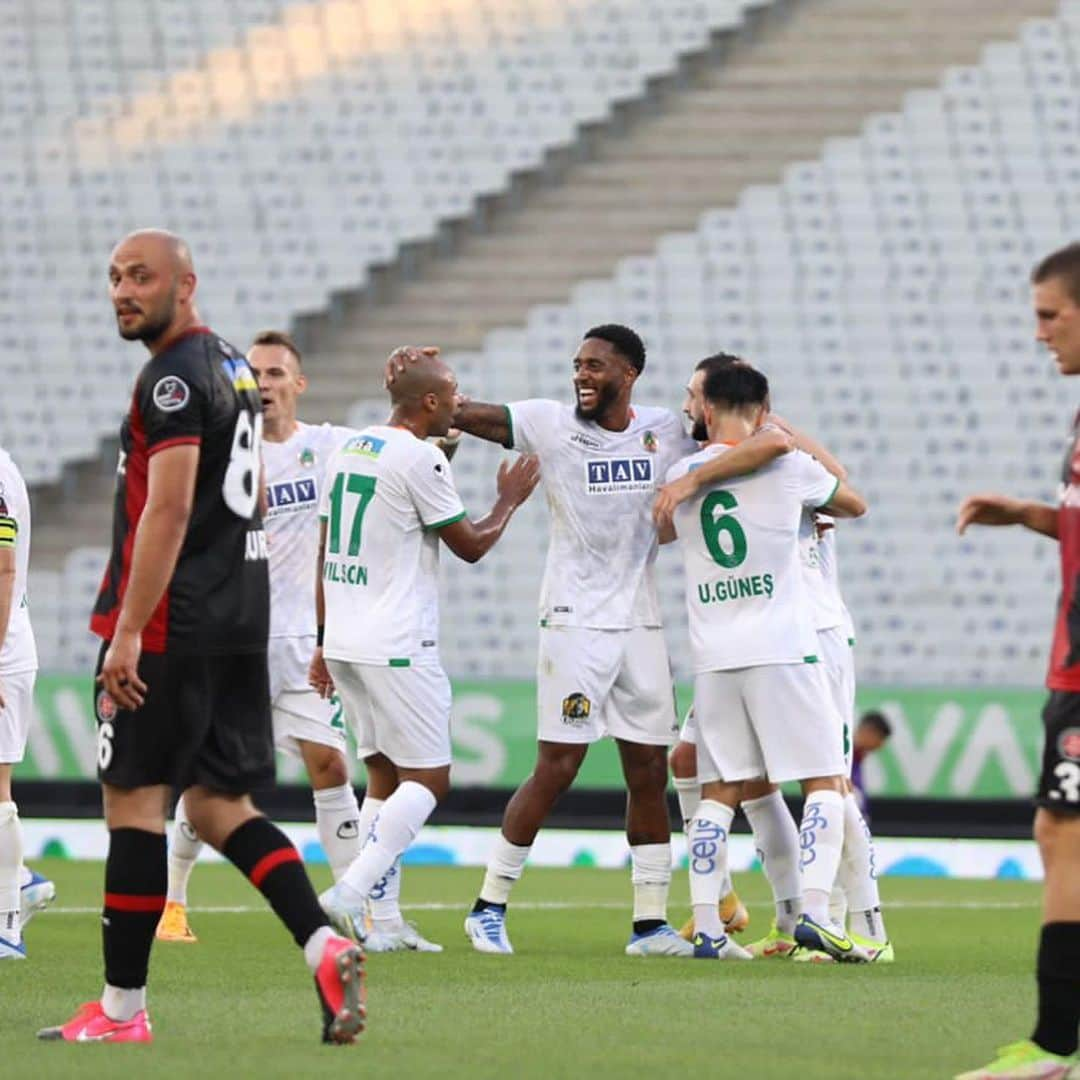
<point x="182" y="697"/>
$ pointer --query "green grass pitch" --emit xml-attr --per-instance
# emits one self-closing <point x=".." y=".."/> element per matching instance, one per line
<point x="240" y="1003"/>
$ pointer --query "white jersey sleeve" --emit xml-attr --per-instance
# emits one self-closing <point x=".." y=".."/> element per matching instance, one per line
<point x="817" y="484"/>
<point x="431" y="485"/>
<point x="19" y="651"/>
<point x="533" y="424"/>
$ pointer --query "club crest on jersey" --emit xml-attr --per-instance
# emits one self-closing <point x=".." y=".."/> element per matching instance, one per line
<point x="105" y="707"/>
<point x="650" y="442"/>
<point x="605" y="476"/>
<point x="576" y="709"/>
<point x="239" y="374"/>
<point x="171" y="393"/>
<point x="364" y="446"/>
<point x="307" y="457"/>
<point x="1068" y="744"/>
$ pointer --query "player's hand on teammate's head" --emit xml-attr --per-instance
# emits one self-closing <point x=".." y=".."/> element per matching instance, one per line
<point x="518" y="480"/>
<point x="319" y="676"/>
<point x="405" y="354"/>
<point x="988" y="510"/>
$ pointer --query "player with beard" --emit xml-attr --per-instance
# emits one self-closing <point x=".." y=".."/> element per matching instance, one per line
<point x="183" y="691"/>
<point x="603" y="666"/>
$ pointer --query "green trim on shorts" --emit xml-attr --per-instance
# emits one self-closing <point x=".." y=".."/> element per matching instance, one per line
<point x="851" y="642"/>
<point x="543" y="624"/>
<point x="400" y="661"/>
<point x="810" y="660"/>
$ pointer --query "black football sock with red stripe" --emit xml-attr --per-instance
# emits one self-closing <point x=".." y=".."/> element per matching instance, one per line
<point x="136" y="878"/>
<point x="264" y="855"/>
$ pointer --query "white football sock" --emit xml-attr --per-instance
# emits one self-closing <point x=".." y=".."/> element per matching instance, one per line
<point x="369" y="811"/>
<point x="688" y="791"/>
<point x="337" y="821"/>
<point x="11" y="857"/>
<point x="650" y="875"/>
<point x="858" y="874"/>
<point x="122" y="1005"/>
<point x="183" y="851"/>
<point x="821" y="838"/>
<point x="776" y="838"/>
<point x="313" y="947"/>
<point x="402" y="816"/>
<point x="385" y="897"/>
<point x="838" y="897"/>
<point x="504" y="867"/>
<point x="707" y="852"/>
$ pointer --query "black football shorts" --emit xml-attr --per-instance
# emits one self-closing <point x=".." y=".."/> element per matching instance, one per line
<point x="1059" y="784"/>
<point x="206" y="720"/>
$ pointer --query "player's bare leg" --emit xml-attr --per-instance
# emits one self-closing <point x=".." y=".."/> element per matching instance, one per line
<point x="557" y="765"/>
<point x="648" y="832"/>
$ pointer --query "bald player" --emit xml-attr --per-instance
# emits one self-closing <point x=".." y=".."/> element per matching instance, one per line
<point x="389" y="498"/>
<point x="182" y="697"/>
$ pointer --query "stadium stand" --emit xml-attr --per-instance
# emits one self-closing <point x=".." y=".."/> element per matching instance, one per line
<point x="866" y="252"/>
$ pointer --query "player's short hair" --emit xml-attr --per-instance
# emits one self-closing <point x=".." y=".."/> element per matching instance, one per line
<point x="626" y="343"/>
<point x="279" y="337"/>
<point x="1063" y="263"/>
<point x="878" y="721"/>
<point x="736" y="386"/>
<point x="717" y="361"/>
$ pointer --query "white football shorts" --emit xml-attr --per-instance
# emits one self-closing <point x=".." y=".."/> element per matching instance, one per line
<point x="774" y="721"/>
<point x="401" y="712"/>
<point x="298" y="713"/>
<point x="18" y="694"/>
<point x="592" y="683"/>
<point x="838" y="657"/>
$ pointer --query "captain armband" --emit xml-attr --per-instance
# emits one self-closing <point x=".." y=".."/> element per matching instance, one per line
<point x="9" y="530"/>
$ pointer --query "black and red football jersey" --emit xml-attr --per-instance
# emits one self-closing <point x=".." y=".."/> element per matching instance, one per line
<point x="198" y="391"/>
<point x="1064" y="673"/>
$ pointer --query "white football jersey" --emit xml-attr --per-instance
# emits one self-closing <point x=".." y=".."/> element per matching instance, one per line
<point x="824" y="591"/>
<point x="19" y="651"/>
<point x="386" y="494"/>
<point x="745" y="586"/>
<point x="600" y="488"/>
<point x="830" y="571"/>
<point x="294" y="472"/>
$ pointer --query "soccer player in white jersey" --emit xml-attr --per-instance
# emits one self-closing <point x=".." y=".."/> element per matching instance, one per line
<point x="389" y="500"/>
<point x="603" y="666"/>
<point x="762" y="704"/>
<point x="21" y="891"/>
<point x="295" y="456"/>
<point x="775" y="832"/>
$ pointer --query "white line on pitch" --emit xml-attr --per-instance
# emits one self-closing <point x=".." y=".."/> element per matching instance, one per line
<point x="598" y="905"/>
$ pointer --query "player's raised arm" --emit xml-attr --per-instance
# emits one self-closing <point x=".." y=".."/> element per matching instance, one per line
<point x="845" y="502"/>
<point x="749" y="456"/>
<point x="160" y="535"/>
<point x="1002" y="510"/>
<point x="472" y="540"/>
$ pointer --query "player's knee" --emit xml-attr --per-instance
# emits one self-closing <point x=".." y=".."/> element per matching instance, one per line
<point x="329" y="771"/>
<point x="557" y="771"/>
<point x="646" y="773"/>
<point x="683" y="760"/>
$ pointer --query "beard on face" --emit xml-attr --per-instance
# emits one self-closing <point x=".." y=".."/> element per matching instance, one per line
<point x="154" y="324"/>
<point x="606" y="396"/>
<point x="698" y="431"/>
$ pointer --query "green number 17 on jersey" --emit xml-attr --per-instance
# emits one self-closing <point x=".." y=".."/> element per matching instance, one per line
<point x="346" y="484"/>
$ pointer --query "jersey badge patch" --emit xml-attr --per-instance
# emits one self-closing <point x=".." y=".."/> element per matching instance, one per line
<point x="105" y="707"/>
<point x="239" y="374"/>
<point x="307" y="457"/>
<point x="364" y="446"/>
<point x="1069" y="744"/>
<point x="576" y="709"/>
<point x="650" y="442"/>
<point x="171" y="393"/>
